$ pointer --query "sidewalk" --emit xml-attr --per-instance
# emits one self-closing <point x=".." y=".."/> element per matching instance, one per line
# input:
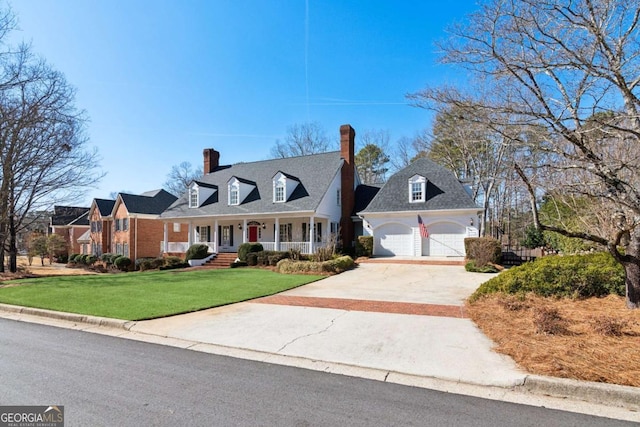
<point x="402" y="323"/>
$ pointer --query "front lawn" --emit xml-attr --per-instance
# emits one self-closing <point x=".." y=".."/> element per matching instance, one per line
<point x="147" y="295"/>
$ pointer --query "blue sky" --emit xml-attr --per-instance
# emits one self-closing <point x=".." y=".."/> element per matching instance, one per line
<point x="161" y="80"/>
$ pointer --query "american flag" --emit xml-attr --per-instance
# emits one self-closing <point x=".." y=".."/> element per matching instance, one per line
<point x="424" y="233"/>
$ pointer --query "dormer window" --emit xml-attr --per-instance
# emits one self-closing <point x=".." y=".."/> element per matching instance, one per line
<point x="417" y="189"/>
<point x="201" y="193"/>
<point x="234" y="194"/>
<point x="193" y="197"/>
<point x="239" y="190"/>
<point x="283" y="186"/>
<point x="278" y="194"/>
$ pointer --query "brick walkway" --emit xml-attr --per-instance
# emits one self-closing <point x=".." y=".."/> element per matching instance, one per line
<point x="367" y="305"/>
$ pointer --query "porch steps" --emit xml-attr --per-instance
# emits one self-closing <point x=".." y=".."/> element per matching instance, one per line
<point x="222" y="260"/>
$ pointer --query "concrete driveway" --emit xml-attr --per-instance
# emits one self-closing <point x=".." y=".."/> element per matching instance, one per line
<point x="397" y="318"/>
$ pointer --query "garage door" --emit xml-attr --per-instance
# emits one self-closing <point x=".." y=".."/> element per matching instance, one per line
<point x="393" y="239"/>
<point x="445" y="239"/>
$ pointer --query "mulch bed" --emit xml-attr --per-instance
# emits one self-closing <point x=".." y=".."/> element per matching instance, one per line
<point x="596" y="339"/>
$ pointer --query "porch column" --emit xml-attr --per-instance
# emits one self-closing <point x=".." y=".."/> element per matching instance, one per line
<point x="190" y="235"/>
<point x="277" y="235"/>
<point x="165" y="237"/>
<point x="244" y="230"/>
<point x="215" y="236"/>
<point x="312" y="234"/>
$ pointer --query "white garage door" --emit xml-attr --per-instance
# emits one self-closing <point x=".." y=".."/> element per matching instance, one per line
<point x="445" y="239"/>
<point x="393" y="239"/>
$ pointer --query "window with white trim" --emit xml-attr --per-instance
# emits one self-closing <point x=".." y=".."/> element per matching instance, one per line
<point x="417" y="189"/>
<point x="176" y="227"/>
<point x="285" y="233"/>
<point x="193" y="197"/>
<point x="278" y="193"/>
<point x="234" y="194"/>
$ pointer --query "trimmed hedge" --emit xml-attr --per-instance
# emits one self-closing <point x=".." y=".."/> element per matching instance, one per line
<point x="247" y="248"/>
<point x="573" y="276"/>
<point x="473" y="268"/>
<point x="337" y="265"/>
<point x="483" y="250"/>
<point x="197" y="251"/>
<point x="364" y="246"/>
<point x="122" y="263"/>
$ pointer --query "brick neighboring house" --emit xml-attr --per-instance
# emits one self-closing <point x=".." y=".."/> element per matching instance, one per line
<point x="70" y="222"/>
<point x="136" y="230"/>
<point x="101" y="222"/>
<point x="291" y="203"/>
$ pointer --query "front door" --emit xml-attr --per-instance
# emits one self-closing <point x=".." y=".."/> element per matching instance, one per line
<point x="253" y="233"/>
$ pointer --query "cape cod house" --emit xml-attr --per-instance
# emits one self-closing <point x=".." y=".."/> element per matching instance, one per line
<point x="291" y="203"/>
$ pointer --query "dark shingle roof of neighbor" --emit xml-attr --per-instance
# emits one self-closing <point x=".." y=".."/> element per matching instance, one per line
<point x="315" y="173"/>
<point x="444" y="191"/>
<point x="150" y="203"/>
<point x="81" y="220"/>
<point x="65" y="215"/>
<point x="105" y="206"/>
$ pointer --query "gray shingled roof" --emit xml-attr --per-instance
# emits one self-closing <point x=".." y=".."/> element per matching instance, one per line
<point x="315" y="173"/>
<point x="150" y="203"/>
<point x="444" y="191"/>
<point x="65" y="215"/>
<point x="105" y="206"/>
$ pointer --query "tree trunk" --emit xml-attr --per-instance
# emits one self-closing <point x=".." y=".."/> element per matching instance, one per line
<point x="13" y="248"/>
<point x="632" y="282"/>
<point x="631" y="265"/>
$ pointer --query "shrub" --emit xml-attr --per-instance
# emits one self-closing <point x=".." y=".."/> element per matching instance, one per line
<point x="337" y="265"/>
<point x="144" y="264"/>
<point x="107" y="258"/>
<point x="483" y="250"/>
<point x="172" y="260"/>
<point x="90" y="259"/>
<point x="72" y="258"/>
<point x="252" y="259"/>
<point x="246" y="248"/>
<point x="573" y="276"/>
<point x="472" y="267"/>
<point x="548" y="321"/>
<point x="62" y="258"/>
<point x="122" y="263"/>
<point x="364" y="246"/>
<point x="78" y="258"/>
<point x="197" y="251"/>
<point x="608" y="326"/>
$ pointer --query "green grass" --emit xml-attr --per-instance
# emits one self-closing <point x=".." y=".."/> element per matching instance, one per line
<point x="148" y="295"/>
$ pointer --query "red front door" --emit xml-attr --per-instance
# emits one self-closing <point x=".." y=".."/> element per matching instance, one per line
<point x="253" y="233"/>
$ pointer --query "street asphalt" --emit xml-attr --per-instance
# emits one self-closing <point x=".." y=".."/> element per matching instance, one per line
<point x="400" y="323"/>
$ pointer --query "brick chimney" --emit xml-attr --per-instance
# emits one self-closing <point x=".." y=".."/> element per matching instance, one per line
<point x="347" y="144"/>
<point x="211" y="160"/>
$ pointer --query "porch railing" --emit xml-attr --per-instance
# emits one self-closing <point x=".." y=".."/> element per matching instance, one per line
<point x="181" y="247"/>
<point x="303" y="247"/>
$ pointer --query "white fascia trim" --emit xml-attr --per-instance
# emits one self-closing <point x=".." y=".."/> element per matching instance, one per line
<point x="421" y="212"/>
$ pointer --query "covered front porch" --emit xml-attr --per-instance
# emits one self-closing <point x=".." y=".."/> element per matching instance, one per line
<point x="303" y="234"/>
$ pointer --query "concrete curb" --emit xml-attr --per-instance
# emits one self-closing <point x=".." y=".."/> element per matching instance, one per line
<point x="71" y="317"/>
<point x="597" y="393"/>
<point x="606" y="394"/>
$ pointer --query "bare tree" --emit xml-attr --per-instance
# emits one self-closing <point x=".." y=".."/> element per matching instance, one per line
<point x="560" y="65"/>
<point x="302" y="140"/>
<point x="43" y="154"/>
<point x="180" y="176"/>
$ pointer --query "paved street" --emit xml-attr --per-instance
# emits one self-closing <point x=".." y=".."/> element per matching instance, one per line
<point x="105" y="381"/>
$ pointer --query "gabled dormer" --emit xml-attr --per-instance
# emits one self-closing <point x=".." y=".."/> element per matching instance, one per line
<point x="417" y="189"/>
<point x="200" y="193"/>
<point x="239" y="189"/>
<point x="283" y="186"/>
